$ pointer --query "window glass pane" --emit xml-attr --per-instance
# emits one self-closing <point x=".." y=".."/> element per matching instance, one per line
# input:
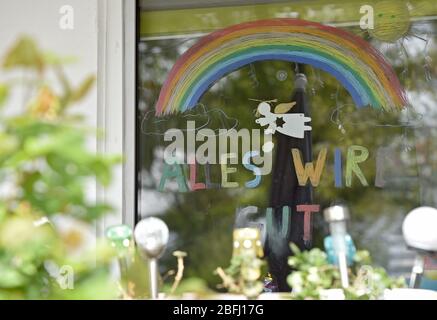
<point x="397" y="175"/>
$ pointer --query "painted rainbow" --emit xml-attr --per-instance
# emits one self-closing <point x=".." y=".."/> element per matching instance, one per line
<point x="359" y="67"/>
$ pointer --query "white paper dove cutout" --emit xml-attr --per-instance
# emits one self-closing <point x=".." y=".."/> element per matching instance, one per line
<point x="290" y="124"/>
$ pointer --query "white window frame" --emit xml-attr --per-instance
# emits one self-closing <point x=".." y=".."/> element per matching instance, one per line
<point x="116" y="105"/>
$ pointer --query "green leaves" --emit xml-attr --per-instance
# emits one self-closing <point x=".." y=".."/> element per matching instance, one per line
<point x="48" y="168"/>
<point x="23" y="250"/>
<point x="10" y="277"/>
<point x="53" y="165"/>
<point x="55" y="60"/>
<point x="8" y="145"/>
<point x="312" y="274"/>
<point x="243" y="276"/>
<point x="306" y="259"/>
<point x="83" y="89"/>
<point x="24" y="54"/>
<point x="362" y="257"/>
<point x="4" y="93"/>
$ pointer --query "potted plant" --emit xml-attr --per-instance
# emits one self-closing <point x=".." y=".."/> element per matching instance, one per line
<point x="313" y="277"/>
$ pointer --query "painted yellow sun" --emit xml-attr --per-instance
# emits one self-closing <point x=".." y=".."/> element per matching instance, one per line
<point x="391" y="20"/>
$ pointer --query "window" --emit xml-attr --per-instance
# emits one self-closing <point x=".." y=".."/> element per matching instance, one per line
<point x="380" y="164"/>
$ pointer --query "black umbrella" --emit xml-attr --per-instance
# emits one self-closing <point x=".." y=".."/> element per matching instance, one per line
<point x="285" y="191"/>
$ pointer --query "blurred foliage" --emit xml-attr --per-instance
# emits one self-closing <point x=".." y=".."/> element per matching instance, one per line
<point x="194" y="286"/>
<point x="312" y="274"/>
<point x="244" y="275"/>
<point x="46" y="216"/>
<point x="202" y="221"/>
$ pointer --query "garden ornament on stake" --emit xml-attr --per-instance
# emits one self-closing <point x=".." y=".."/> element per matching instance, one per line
<point x="336" y="216"/>
<point x="151" y="236"/>
<point x="419" y="230"/>
<point x="120" y="237"/>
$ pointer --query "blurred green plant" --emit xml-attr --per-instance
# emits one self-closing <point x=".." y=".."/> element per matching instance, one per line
<point x="243" y="276"/>
<point x="313" y="273"/>
<point x="46" y="216"/>
<point x="195" y="287"/>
